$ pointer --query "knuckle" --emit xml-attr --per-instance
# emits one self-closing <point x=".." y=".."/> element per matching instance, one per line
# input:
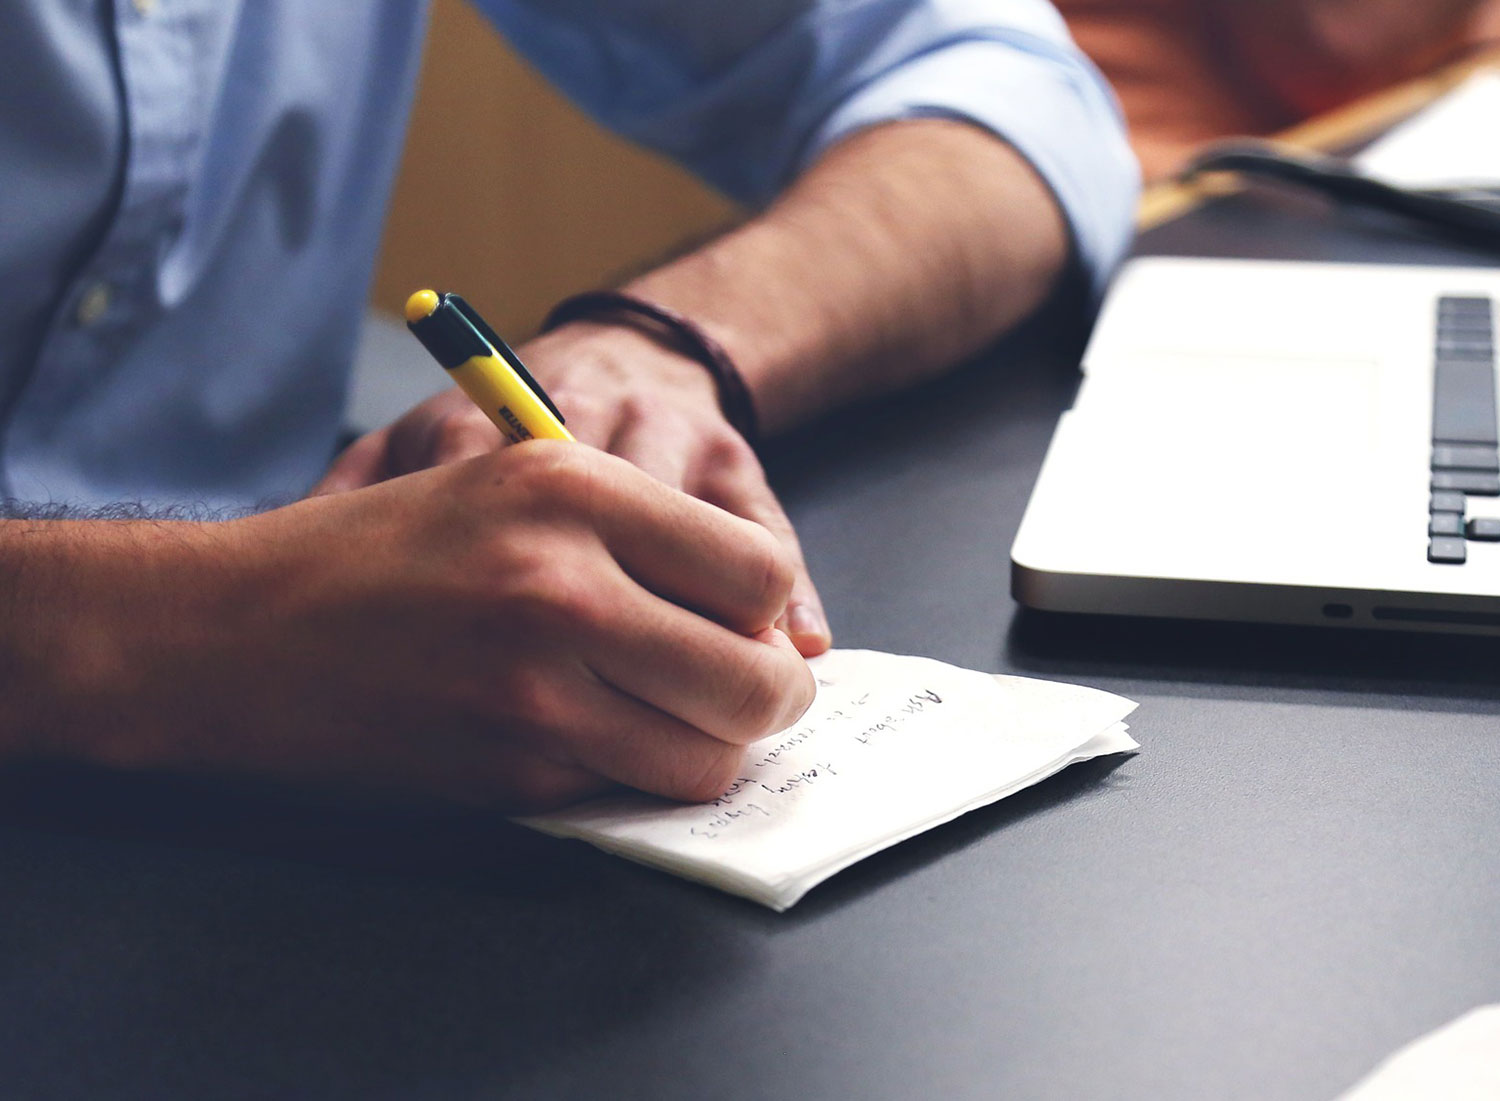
<point x="461" y="434"/>
<point x="580" y="403"/>
<point x="731" y="451"/>
<point x="731" y="469"/>
<point x="549" y="477"/>
<point x="550" y="595"/>
<point x="771" y="564"/>
<point x="539" y="461"/>
<point x="531" y="701"/>
<point x="577" y="606"/>
<point x="640" y="408"/>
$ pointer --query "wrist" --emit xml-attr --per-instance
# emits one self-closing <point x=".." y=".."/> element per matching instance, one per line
<point x="675" y="332"/>
<point x="586" y="361"/>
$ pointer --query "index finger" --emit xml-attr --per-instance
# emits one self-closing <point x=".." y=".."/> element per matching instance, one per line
<point x="742" y="489"/>
<point x="690" y="552"/>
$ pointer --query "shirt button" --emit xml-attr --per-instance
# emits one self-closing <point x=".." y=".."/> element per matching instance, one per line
<point x="145" y="7"/>
<point x="92" y="306"/>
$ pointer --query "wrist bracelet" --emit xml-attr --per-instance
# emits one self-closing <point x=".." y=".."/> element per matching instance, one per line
<point x="670" y="328"/>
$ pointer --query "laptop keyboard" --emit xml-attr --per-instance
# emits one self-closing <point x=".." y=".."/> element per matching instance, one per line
<point x="1465" y="429"/>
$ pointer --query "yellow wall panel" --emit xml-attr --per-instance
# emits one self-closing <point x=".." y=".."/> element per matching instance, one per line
<point x="510" y="196"/>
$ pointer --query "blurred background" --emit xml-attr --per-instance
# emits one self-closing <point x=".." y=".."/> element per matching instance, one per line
<point x="510" y="195"/>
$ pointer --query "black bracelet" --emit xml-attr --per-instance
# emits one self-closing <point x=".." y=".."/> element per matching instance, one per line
<point x="675" y="332"/>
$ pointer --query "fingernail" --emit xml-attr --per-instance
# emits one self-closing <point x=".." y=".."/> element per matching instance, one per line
<point x="807" y="623"/>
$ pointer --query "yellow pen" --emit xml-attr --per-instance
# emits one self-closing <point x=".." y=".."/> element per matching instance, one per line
<point x="484" y="366"/>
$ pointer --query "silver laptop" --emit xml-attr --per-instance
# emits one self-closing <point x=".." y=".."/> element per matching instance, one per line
<point x="1278" y="442"/>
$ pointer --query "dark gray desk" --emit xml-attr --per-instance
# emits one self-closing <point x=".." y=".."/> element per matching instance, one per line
<point x="1296" y="875"/>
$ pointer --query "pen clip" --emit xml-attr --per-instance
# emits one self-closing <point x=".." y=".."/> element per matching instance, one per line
<point x="502" y="349"/>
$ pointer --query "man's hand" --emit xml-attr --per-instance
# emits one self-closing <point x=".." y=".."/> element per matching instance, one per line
<point x="904" y="249"/>
<point x="624" y="394"/>
<point x="518" y="631"/>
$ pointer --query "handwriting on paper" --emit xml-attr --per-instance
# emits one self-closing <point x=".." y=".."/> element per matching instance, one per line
<point x="891" y="746"/>
<point x="846" y="725"/>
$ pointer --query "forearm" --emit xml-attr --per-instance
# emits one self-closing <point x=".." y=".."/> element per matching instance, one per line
<point x="903" y="249"/>
<point x="86" y="606"/>
<point x="515" y="631"/>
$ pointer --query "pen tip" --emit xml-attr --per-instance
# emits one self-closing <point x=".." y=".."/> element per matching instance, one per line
<point x="421" y="305"/>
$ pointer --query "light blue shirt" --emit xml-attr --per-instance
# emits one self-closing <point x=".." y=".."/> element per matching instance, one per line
<point x="192" y="191"/>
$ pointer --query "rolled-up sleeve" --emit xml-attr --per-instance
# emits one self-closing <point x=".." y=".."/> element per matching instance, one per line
<point x="746" y="95"/>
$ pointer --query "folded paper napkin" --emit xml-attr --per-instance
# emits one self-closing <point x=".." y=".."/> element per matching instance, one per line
<point x="891" y="746"/>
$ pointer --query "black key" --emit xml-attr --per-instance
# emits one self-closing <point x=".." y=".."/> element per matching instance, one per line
<point x="1463" y="303"/>
<point x="1463" y="402"/>
<point x="1482" y="529"/>
<point x="1464" y="358"/>
<point x="1445" y="523"/>
<point x="1475" y="331"/>
<point x="1465" y="335"/>
<point x="1469" y="321"/>
<point x="1474" y="482"/>
<point x="1451" y="457"/>
<point x="1447" y="550"/>
<point x="1464" y="319"/>
<point x="1465" y="346"/>
<point x="1446" y="501"/>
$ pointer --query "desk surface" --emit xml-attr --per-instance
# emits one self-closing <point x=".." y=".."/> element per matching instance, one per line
<point x="1297" y="874"/>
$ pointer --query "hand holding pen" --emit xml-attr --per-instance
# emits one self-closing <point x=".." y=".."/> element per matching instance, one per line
<point x="623" y="393"/>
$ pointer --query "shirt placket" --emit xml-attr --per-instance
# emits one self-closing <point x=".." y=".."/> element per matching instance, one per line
<point x="113" y="295"/>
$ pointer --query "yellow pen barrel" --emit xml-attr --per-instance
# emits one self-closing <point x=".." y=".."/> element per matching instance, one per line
<point x="493" y="385"/>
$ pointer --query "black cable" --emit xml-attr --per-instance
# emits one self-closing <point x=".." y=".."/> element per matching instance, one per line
<point x="1467" y="215"/>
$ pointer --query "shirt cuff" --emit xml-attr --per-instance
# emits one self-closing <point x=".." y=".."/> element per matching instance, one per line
<point x="1046" y="102"/>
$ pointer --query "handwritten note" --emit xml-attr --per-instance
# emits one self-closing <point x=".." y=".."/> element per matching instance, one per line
<point x="891" y="746"/>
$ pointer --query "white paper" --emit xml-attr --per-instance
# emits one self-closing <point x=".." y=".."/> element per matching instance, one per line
<point x="1453" y="143"/>
<point x="1458" y="1062"/>
<point x="891" y="746"/>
